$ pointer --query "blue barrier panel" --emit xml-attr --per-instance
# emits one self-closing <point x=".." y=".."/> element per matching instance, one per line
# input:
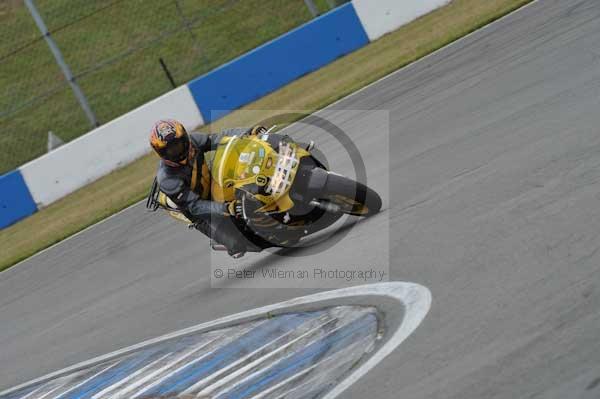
<point x="15" y="199"/>
<point x="278" y="62"/>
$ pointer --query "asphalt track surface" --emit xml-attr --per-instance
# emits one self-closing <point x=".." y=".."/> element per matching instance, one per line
<point x="494" y="206"/>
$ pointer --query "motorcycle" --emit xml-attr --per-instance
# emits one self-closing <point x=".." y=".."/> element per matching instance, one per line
<point x="286" y="193"/>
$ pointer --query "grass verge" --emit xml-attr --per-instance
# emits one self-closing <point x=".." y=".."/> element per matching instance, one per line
<point x="114" y="57"/>
<point x="314" y="91"/>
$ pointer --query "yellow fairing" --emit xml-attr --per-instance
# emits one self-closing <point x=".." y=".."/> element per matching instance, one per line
<point x="249" y="160"/>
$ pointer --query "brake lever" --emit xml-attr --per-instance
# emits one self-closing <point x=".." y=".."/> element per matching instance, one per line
<point x="244" y="215"/>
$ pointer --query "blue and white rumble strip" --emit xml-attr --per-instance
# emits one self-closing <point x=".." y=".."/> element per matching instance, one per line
<point x="311" y="347"/>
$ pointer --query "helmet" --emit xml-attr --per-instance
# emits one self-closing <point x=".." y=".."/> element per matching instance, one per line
<point x="170" y="141"/>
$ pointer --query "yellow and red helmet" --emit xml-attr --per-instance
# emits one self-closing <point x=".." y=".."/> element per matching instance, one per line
<point x="171" y="142"/>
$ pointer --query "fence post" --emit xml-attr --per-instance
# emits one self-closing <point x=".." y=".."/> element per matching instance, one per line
<point x="62" y="64"/>
<point x="312" y="7"/>
<point x="167" y="72"/>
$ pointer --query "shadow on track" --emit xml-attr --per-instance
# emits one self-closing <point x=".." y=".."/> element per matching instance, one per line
<point x="276" y="255"/>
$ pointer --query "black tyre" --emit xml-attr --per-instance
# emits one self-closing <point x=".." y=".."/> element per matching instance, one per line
<point x="352" y="197"/>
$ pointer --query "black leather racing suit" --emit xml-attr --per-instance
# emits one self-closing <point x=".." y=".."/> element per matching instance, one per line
<point x="188" y="186"/>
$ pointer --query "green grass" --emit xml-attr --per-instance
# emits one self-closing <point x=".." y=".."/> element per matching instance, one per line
<point x="114" y="54"/>
<point x="314" y="91"/>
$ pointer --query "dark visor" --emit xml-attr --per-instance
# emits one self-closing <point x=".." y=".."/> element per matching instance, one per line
<point x="176" y="150"/>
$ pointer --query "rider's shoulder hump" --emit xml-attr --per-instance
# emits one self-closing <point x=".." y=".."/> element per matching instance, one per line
<point x="169" y="183"/>
<point x="199" y="139"/>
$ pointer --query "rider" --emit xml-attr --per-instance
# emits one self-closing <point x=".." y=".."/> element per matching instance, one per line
<point x="184" y="176"/>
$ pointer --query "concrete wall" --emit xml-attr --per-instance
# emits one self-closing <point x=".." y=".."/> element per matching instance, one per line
<point x="379" y="17"/>
<point x="209" y="97"/>
<point x="15" y="199"/>
<point x="104" y="149"/>
<point x="279" y="62"/>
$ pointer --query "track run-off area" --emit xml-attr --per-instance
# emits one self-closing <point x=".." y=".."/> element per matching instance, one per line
<point x="493" y="205"/>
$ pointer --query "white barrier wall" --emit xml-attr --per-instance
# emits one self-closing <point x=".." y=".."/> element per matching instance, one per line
<point x="125" y="139"/>
<point x="95" y="154"/>
<point x="379" y="17"/>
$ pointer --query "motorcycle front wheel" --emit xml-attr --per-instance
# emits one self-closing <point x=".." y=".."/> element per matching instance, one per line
<point x="352" y="198"/>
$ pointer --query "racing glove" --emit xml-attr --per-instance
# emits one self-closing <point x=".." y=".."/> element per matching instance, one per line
<point x="234" y="208"/>
<point x="258" y="129"/>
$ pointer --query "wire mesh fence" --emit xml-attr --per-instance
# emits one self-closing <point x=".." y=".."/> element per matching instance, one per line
<point x="119" y="52"/>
